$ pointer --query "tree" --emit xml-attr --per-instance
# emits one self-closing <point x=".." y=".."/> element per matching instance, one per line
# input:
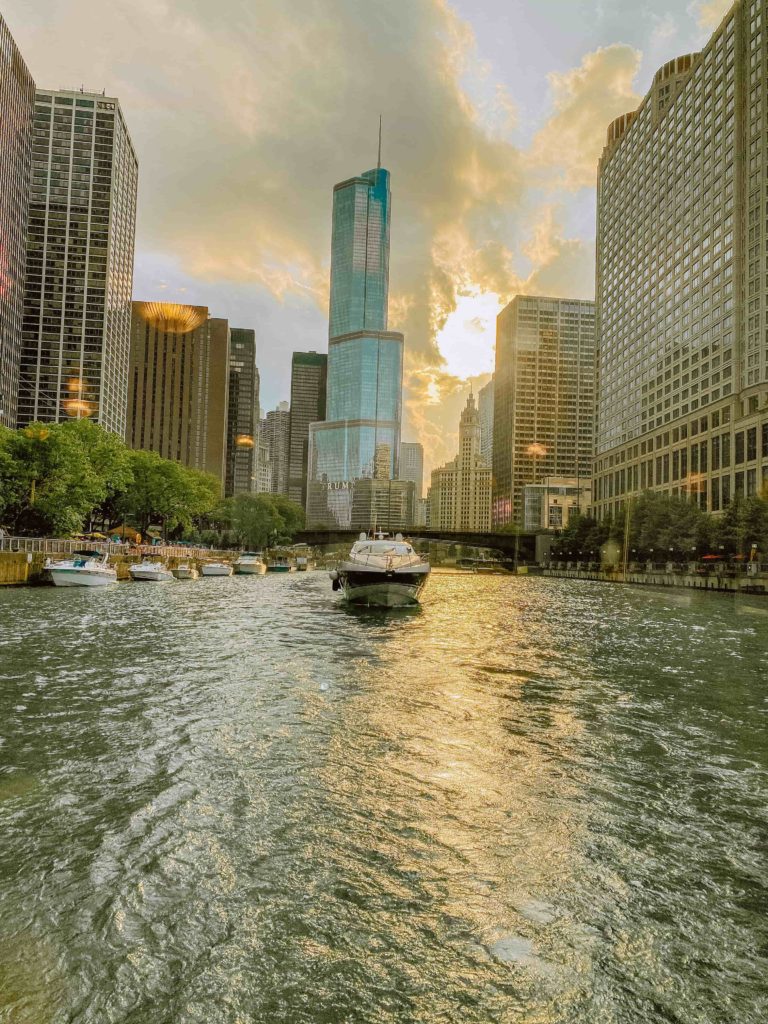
<point x="166" y="492"/>
<point x="255" y="519"/>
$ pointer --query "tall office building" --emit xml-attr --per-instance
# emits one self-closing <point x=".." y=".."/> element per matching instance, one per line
<point x="485" y="408"/>
<point x="365" y="360"/>
<point x="460" y="495"/>
<point x="682" y="293"/>
<point x="178" y="385"/>
<point x="412" y="464"/>
<point x="242" y="413"/>
<point x="276" y="434"/>
<point x="17" y="104"/>
<point x="544" y="394"/>
<point x="77" y="303"/>
<point x="309" y="374"/>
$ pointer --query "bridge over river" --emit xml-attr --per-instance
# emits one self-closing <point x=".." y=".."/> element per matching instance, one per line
<point x="507" y="544"/>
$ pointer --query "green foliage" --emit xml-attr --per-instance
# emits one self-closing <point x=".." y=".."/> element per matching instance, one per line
<point x="56" y="477"/>
<point x="262" y="519"/>
<point x="166" y="492"/>
<point x="665" y="528"/>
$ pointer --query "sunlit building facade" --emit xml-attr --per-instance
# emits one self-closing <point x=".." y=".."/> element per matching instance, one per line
<point x="179" y="385"/>
<point x="365" y="360"/>
<point x="544" y="394"/>
<point x="242" y="413"/>
<point x="276" y="434"/>
<point x="485" y="408"/>
<point x="79" y="273"/>
<point x="460" y="493"/>
<point x="682" y="285"/>
<point x="412" y="464"/>
<point x="17" y="104"/>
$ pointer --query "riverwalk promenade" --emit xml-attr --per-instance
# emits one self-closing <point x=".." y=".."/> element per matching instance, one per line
<point x="723" y="577"/>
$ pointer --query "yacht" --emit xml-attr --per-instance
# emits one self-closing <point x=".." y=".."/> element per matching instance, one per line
<point x="185" y="571"/>
<point x="250" y="563"/>
<point x="148" y="571"/>
<point x="382" y="571"/>
<point x="216" y="569"/>
<point x="83" y="569"/>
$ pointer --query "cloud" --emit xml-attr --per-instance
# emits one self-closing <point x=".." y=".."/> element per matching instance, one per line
<point x="585" y="99"/>
<point x="245" y="115"/>
<point x="709" y="13"/>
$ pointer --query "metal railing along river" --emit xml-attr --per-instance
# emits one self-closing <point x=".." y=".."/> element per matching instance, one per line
<point x="65" y="545"/>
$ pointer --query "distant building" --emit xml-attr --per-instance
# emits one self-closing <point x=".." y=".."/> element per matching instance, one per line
<point x="412" y="464"/>
<point x="178" y="385"/>
<point x="485" y="409"/>
<point x="460" y="495"/>
<point x="276" y="434"/>
<point x="550" y="504"/>
<point x="365" y="360"/>
<point x="17" y="104"/>
<point x="421" y="512"/>
<point x="242" y="413"/>
<point x="80" y="245"/>
<point x="309" y="373"/>
<point x="544" y="394"/>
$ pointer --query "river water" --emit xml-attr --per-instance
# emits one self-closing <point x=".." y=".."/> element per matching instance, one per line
<point x="236" y="801"/>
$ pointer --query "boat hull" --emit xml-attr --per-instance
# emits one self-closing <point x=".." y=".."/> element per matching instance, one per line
<point x="281" y="568"/>
<point x="216" y="570"/>
<point x="81" y="578"/>
<point x="151" y="575"/>
<point x="186" y="574"/>
<point x="250" y="570"/>
<point x="383" y="590"/>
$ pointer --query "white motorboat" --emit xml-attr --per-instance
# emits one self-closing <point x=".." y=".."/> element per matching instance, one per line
<point x="382" y="571"/>
<point x="185" y="572"/>
<point x="148" y="571"/>
<point x="250" y="563"/>
<point x="83" y="569"/>
<point x="216" y="569"/>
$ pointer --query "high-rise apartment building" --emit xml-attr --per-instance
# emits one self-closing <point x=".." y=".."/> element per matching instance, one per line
<point x="17" y="104"/>
<point x="460" y="495"/>
<point x="412" y="464"/>
<point x="178" y="385"/>
<point x="682" y="291"/>
<point x="242" y="413"/>
<point x="276" y="434"/>
<point x="79" y="274"/>
<point x="485" y="408"/>
<point x="544" y="394"/>
<point x="365" y="360"/>
<point x="309" y="374"/>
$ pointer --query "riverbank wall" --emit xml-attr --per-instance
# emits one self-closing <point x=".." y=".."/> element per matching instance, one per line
<point x="742" y="581"/>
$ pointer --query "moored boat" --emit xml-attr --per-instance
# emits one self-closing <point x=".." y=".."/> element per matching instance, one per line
<point x="148" y="571"/>
<point x="185" y="571"/>
<point x="281" y="564"/>
<point x="216" y="569"/>
<point x="250" y="563"/>
<point x="83" y="569"/>
<point x="382" y="571"/>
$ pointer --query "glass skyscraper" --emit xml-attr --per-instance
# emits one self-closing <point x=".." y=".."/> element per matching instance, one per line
<point x="361" y="436"/>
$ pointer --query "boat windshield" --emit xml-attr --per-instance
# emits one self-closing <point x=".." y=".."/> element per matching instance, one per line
<point x="382" y="547"/>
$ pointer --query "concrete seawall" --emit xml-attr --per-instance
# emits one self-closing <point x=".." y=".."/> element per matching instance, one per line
<point x="740" y="583"/>
<point x="18" y="568"/>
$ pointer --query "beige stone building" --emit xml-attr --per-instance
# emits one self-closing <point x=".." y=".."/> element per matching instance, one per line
<point x="460" y="495"/>
<point x="178" y="384"/>
<point x="682" y="293"/>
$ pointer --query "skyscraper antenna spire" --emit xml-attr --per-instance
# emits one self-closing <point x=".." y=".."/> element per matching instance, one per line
<point x="378" y="165"/>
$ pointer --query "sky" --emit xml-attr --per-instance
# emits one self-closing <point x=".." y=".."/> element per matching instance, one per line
<point x="245" y="114"/>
